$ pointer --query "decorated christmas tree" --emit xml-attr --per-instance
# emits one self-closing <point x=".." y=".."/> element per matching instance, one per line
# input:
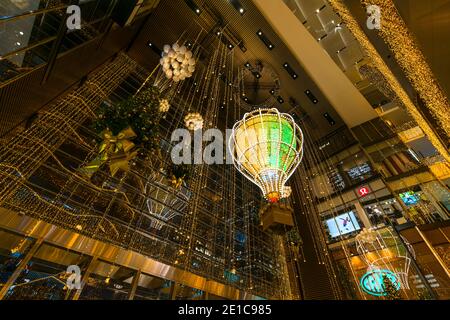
<point x="391" y="292"/>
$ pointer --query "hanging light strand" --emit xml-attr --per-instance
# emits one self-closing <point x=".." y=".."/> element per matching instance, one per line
<point x="378" y="62"/>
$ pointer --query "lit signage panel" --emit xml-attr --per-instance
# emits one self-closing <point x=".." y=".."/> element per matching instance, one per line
<point x="409" y="198"/>
<point x="372" y="282"/>
<point x="343" y="224"/>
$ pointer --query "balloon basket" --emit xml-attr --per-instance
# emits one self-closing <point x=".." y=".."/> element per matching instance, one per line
<point x="277" y="218"/>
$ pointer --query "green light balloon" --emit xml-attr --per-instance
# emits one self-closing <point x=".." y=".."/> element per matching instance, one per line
<point x="267" y="147"/>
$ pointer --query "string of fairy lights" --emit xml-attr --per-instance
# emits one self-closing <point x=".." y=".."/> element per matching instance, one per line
<point x="22" y="165"/>
<point x="313" y="165"/>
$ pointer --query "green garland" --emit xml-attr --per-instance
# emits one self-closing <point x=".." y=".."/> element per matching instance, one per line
<point x="140" y="112"/>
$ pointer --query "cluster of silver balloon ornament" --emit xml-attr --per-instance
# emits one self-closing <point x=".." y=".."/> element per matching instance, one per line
<point x="178" y="62"/>
<point x="382" y="250"/>
<point x="193" y="121"/>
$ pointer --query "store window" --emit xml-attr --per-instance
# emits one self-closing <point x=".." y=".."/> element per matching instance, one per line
<point x="422" y="208"/>
<point x="13" y="248"/>
<point x="350" y="172"/>
<point x="108" y="282"/>
<point x="153" y="288"/>
<point x="44" y="277"/>
<point x="384" y="211"/>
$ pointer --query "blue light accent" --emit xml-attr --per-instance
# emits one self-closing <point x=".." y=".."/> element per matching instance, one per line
<point x="16" y="254"/>
<point x="240" y="237"/>
<point x="372" y="282"/>
<point x="231" y="277"/>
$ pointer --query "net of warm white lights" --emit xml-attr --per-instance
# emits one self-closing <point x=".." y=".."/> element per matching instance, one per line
<point x="267" y="147"/>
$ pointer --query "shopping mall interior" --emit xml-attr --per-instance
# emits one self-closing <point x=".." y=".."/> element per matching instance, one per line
<point x="224" y="150"/>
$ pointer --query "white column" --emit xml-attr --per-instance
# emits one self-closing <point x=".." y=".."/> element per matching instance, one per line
<point x="362" y="215"/>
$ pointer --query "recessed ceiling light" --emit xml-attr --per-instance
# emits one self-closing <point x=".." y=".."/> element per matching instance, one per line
<point x="317" y="10"/>
<point x="238" y="6"/>
<point x="265" y="40"/>
<point x="193" y="6"/>
<point x="21" y="33"/>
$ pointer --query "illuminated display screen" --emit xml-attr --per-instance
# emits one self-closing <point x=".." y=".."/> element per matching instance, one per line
<point x="409" y="198"/>
<point x="343" y="224"/>
<point x="357" y="172"/>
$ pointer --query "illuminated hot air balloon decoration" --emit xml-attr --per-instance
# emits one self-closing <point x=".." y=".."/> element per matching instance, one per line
<point x="382" y="250"/>
<point x="267" y="147"/>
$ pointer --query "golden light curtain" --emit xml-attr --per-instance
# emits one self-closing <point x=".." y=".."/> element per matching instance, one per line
<point x="390" y="78"/>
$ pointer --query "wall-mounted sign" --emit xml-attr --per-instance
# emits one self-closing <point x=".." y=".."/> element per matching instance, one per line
<point x="358" y="172"/>
<point x="363" y="191"/>
<point x="410" y="198"/>
<point x="336" y="180"/>
<point x="372" y="282"/>
<point x="343" y="224"/>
